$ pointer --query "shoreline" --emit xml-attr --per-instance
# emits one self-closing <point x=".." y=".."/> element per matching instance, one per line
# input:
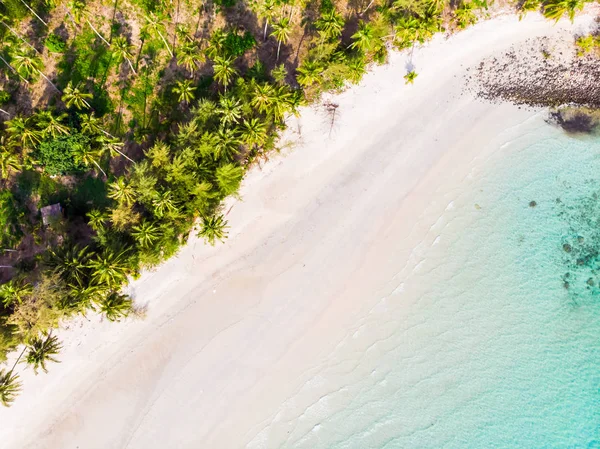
<point x="238" y="301"/>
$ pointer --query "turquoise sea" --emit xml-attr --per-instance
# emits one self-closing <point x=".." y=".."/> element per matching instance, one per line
<point x="499" y="346"/>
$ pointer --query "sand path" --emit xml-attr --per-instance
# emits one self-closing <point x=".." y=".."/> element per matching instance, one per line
<point x="320" y="234"/>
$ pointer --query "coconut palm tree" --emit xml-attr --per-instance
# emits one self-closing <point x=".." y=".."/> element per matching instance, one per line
<point x="4" y="20"/>
<point x="330" y="25"/>
<point x="110" y="268"/>
<point x="226" y="145"/>
<point x="185" y="90"/>
<point x="409" y="78"/>
<point x="97" y="219"/>
<point x="555" y="9"/>
<point x="22" y="131"/>
<point x="309" y="73"/>
<point x="190" y="56"/>
<point x="146" y="233"/>
<point x="263" y="96"/>
<point x="14" y="292"/>
<point x="230" y="110"/>
<point x="74" y="97"/>
<point x="87" y="156"/>
<point x="122" y="50"/>
<point x="224" y="71"/>
<point x="121" y="191"/>
<point x="51" y="125"/>
<point x="115" y="306"/>
<point x="42" y="350"/>
<point x="9" y="387"/>
<point x="26" y="63"/>
<point x="364" y="38"/>
<point x="213" y="228"/>
<point x="70" y="262"/>
<point x="267" y="12"/>
<point x="254" y="132"/>
<point x="281" y="32"/>
<point x="77" y="9"/>
<point x="9" y="163"/>
<point x="154" y="23"/>
<point x="91" y="125"/>
<point x="163" y="203"/>
<point x="112" y="146"/>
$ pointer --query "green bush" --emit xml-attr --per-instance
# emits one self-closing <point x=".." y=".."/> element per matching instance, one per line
<point x="4" y="97"/>
<point x="10" y="231"/>
<point x="55" y="43"/>
<point x="236" y="44"/>
<point x="57" y="155"/>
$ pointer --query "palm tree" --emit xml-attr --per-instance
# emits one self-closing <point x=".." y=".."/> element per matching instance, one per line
<point x="254" y="132"/>
<point x="364" y="38"/>
<point x="9" y="163"/>
<point x="226" y="145"/>
<point x="110" y="268"/>
<point x="230" y="110"/>
<point x="281" y="31"/>
<point x="14" y="291"/>
<point x="229" y="177"/>
<point x="91" y="125"/>
<point x="77" y="7"/>
<point x="112" y="146"/>
<point x="146" y="233"/>
<point x="115" y="306"/>
<point x="21" y="130"/>
<point x="70" y="262"/>
<point x="185" y="90"/>
<point x="555" y="9"/>
<point x="51" y="125"/>
<point x="409" y="78"/>
<point x="73" y="96"/>
<point x="224" y="71"/>
<point x="97" y="220"/>
<point x="330" y="25"/>
<point x="87" y="156"/>
<point x="26" y="63"/>
<point x="267" y="12"/>
<point x="9" y="387"/>
<point x="309" y="73"/>
<point x="155" y="24"/>
<point x="263" y="97"/>
<point x="4" y="20"/>
<point x="42" y="350"/>
<point x="122" y="50"/>
<point x="121" y="191"/>
<point x="163" y="203"/>
<point x="213" y="228"/>
<point x="190" y="56"/>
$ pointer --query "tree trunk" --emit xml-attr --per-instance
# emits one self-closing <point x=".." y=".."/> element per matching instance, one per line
<point x="33" y="12"/>
<point x="97" y="33"/>
<point x="278" y="48"/>
<point x="131" y="66"/>
<point x="265" y="33"/>
<point x="51" y="83"/>
<point x="3" y="111"/>
<point x="13" y="69"/>
<point x="166" y="43"/>
<point x="366" y="9"/>
<point x="19" y="36"/>
<point x="100" y="168"/>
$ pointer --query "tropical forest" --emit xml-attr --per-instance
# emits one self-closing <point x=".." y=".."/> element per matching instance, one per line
<point x="124" y="124"/>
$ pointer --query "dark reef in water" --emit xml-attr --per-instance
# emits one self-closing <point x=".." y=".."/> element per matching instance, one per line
<point x="580" y="248"/>
<point x="577" y="120"/>
<point x="540" y="76"/>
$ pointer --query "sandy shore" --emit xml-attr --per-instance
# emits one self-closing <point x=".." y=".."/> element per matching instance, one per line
<point x="319" y="235"/>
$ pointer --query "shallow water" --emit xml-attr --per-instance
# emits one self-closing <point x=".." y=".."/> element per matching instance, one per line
<point x="493" y="340"/>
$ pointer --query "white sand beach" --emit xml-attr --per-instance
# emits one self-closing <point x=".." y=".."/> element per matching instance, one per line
<point x="318" y="237"/>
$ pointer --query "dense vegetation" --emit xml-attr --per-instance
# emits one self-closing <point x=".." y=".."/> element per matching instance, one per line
<point x="139" y="117"/>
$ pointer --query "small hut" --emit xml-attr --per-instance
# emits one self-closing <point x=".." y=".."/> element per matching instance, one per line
<point x="50" y="214"/>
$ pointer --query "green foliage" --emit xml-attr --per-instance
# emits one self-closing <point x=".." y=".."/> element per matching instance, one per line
<point x="213" y="229"/>
<point x="10" y="231"/>
<point x="4" y="97"/>
<point x="42" y="350"/>
<point x="55" y="43"/>
<point x="58" y="155"/>
<point x="10" y="386"/>
<point x="236" y="44"/>
<point x="588" y="44"/>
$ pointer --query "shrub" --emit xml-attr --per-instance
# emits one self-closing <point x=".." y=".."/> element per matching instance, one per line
<point x="236" y="44"/>
<point x="55" y="43"/>
<point x="4" y="97"/>
<point x="56" y="155"/>
<point x="10" y="231"/>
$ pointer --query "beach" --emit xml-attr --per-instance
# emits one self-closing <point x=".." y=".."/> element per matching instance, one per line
<point x="257" y="341"/>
